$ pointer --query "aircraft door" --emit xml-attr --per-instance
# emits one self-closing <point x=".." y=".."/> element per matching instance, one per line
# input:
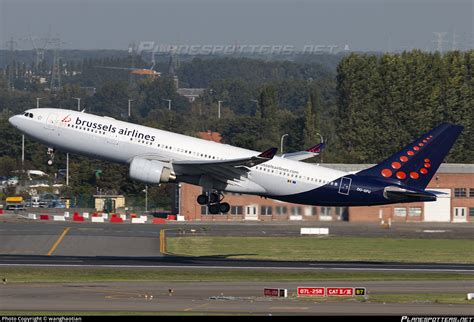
<point x="51" y="122"/>
<point x="112" y="139"/>
<point x="345" y="185"/>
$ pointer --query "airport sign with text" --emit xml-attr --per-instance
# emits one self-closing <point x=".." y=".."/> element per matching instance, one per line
<point x="331" y="291"/>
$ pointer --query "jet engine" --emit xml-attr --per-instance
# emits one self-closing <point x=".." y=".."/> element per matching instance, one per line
<point x="150" y="171"/>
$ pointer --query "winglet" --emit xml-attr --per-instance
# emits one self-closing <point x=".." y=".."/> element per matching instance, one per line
<point x="268" y="154"/>
<point x="318" y="148"/>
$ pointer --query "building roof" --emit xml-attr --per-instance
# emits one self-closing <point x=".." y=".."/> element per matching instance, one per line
<point x="210" y="136"/>
<point x="190" y="91"/>
<point x="444" y="168"/>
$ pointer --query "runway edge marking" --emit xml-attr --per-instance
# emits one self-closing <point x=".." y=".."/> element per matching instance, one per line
<point x="60" y="239"/>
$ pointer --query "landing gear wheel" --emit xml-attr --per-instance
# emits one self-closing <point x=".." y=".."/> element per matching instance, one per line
<point x="214" y="209"/>
<point x="203" y="199"/>
<point x="224" y="207"/>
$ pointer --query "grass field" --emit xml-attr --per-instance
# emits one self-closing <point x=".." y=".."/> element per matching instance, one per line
<point x="327" y="249"/>
<point x="77" y="275"/>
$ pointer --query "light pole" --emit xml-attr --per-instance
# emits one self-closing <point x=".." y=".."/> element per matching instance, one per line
<point x="169" y="103"/>
<point x="78" y="102"/>
<point x="146" y="198"/>
<point x="22" y="151"/>
<point x="38" y="101"/>
<point x="219" y="109"/>
<point x="67" y="169"/>
<point x="129" y="101"/>
<point x="179" y="198"/>
<point x="281" y="142"/>
<point x="321" y="140"/>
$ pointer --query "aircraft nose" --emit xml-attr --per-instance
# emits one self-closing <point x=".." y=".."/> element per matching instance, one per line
<point x="14" y="120"/>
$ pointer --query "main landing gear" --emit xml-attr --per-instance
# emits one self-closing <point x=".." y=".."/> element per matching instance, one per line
<point x="213" y="202"/>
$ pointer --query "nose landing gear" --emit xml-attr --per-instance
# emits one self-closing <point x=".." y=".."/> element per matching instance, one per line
<point x="50" y="154"/>
<point x="213" y="202"/>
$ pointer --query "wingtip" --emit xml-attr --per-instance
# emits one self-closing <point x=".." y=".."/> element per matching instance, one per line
<point x="268" y="154"/>
<point x="316" y="148"/>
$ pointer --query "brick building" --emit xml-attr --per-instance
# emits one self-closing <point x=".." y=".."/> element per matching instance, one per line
<point x="457" y="205"/>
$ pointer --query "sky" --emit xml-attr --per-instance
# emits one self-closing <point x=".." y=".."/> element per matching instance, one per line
<point x="362" y="25"/>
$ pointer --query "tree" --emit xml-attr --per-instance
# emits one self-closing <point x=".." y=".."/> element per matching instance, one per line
<point x="309" y="130"/>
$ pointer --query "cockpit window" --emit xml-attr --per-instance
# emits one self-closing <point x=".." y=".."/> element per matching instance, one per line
<point x="31" y="115"/>
<point x="26" y="114"/>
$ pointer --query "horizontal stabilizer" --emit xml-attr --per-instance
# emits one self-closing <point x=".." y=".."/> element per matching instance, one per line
<point x="393" y="193"/>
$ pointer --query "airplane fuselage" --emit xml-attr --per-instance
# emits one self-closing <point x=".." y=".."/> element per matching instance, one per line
<point x="121" y="142"/>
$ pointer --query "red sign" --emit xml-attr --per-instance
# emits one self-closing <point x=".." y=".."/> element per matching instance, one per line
<point x="311" y="291"/>
<point x="340" y="291"/>
<point x="270" y="291"/>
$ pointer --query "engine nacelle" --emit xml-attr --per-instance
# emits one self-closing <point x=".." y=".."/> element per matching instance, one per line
<point x="150" y="171"/>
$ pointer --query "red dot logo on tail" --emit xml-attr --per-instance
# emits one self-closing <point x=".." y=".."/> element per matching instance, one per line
<point x="401" y="175"/>
<point x="396" y="165"/>
<point x="414" y="175"/>
<point x="386" y="173"/>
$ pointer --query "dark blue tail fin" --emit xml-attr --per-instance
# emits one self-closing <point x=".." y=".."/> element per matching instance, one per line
<point x="416" y="163"/>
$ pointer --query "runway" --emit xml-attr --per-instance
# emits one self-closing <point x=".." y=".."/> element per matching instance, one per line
<point x="220" y="262"/>
<point x="132" y="245"/>
<point x="223" y="298"/>
<point x="82" y="246"/>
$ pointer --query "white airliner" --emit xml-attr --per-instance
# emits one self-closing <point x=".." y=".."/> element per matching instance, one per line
<point x="155" y="156"/>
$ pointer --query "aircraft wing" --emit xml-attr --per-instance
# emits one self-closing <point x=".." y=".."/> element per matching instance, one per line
<point x="223" y="170"/>
<point x="306" y="154"/>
